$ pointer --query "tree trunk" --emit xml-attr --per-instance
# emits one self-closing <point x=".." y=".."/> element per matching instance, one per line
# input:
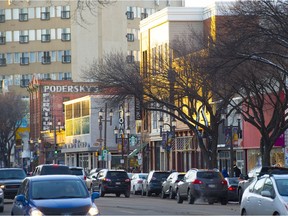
<point x="265" y="152"/>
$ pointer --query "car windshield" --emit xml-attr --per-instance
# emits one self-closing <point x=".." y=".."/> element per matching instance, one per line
<point x="233" y="181"/>
<point x="160" y="175"/>
<point x="54" y="170"/>
<point x="12" y="174"/>
<point x="58" y="189"/>
<point x="208" y="175"/>
<point x="76" y="171"/>
<point x="142" y="176"/>
<point x="282" y="186"/>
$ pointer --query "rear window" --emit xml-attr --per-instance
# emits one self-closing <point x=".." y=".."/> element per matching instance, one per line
<point x="208" y="175"/>
<point x="117" y="174"/>
<point x="12" y="174"/>
<point x="234" y="181"/>
<point x="143" y="176"/>
<point x="180" y="176"/>
<point x="76" y="171"/>
<point x="54" y="170"/>
<point x="160" y="175"/>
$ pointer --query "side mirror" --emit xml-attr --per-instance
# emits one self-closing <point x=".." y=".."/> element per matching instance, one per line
<point x="21" y="198"/>
<point x="95" y="195"/>
<point x="266" y="193"/>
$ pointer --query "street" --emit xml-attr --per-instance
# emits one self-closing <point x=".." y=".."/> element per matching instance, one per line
<point x="138" y="205"/>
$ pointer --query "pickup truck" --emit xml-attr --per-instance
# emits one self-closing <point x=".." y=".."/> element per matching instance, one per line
<point x="254" y="174"/>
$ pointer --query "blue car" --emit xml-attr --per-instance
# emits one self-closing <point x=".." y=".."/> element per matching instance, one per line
<point x="54" y="195"/>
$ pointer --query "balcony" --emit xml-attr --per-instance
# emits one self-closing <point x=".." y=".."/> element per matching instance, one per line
<point x="24" y="83"/>
<point x="130" y="37"/>
<point x="46" y="60"/>
<point x="45" y="15"/>
<point x="45" y="38"/>
<point x="66" y="59"/>
<point x="23" y="17"/>
<point x="130" y="59"/>
<point x="2" y="40"/>
<point x="2" y="61"/>
<point x="23" y="39"/>
<point x="24" y="61"/>
<point x="2" y="18"/>
<point x="66" y="36"/>
<point x="130" y="15"/>
<point x="65" y="14"/>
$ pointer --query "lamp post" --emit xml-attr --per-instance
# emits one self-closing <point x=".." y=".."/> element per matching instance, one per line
<point x="104" y="119"/>
<point x="228" y="131"/>
<point x="169" y="135"/>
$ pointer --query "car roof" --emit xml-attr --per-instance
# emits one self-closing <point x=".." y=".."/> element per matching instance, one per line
<point x="14" y="168"/>
<point x="52" y="165"/>
<point x="53" y="177"/>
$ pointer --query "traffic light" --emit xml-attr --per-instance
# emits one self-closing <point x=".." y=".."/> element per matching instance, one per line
<point x="56" y="149"/>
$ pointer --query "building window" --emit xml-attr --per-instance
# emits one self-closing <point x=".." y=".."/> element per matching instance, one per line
<point x="46" y="59"/>
<point x="45" y="37"/>
<point x="24" y="59"/>
<point x="65" y="13"/>
<point x="65" y="36"/>
<point x="130" y="37"/>
<point x="23" y="15"/>
<point x="65" y="76"/>
<point x="130" y="15"/>
<point x="45" y="15"/>
<point x="130" y="59"/>
<point x="24" y="83"/>
<point x="144" y="15"/>
<point x="66" y="58"/>
<point x="2" y="60"/>
<point x="2" y="18"/>
<point x="24" y="39"/>
<point x="2" y="40"/>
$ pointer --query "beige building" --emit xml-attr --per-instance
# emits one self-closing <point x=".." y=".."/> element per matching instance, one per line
<point x="42" y="38"/>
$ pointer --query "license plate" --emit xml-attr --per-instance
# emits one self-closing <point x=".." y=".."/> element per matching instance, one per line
<point x="212" y="185"/>
<point x="118" y="183"/>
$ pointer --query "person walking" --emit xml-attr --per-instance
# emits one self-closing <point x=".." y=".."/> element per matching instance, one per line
<point x="236" y="171"/>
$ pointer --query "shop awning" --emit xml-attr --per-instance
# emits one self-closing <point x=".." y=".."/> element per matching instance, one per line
<point x="137" y="150"/>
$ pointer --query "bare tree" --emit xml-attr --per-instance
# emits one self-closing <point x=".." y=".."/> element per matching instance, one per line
<point x="13" y="110"/>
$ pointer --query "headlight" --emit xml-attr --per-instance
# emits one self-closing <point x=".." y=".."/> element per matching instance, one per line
<point x="35" y="212"/>
<point x="2" y="186"/>
<point x="93" y="211"/>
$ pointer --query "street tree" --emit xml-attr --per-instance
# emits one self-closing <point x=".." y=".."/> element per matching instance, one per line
<point x="13" y="110"/>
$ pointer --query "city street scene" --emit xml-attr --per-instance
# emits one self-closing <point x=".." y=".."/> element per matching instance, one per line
<point x="143" y="107"/>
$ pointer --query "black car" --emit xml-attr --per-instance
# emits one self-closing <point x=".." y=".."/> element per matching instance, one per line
<point x="112" y="181"/>
<point x="170" y="184"/>
<point x="10" y="181"/>
<point x="201" y="183"/>
<point x="232" y="188"/>
<point x="153" y="183"/>
<point x="52" y="169"/>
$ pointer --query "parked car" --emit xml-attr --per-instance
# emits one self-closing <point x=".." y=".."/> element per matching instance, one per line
<point x="95" y="170"/>
<point x="267" y="195"/>
<point x="232" y="188"/>
<point x="254" y="174"/>
<point x="78" y="171"/>
<point x="154" y="181"/>
<point x="137" y="181"/>
<point x="54" y="195"/>
<point x="89" y="179"/>
<point x="112" y="181"/>
<point x="51" y="169"/>
<point x="201" y="183"/>
<point x="1" y="200"/>
<point x="169" y="185"/>
<point x="10" y="181"/>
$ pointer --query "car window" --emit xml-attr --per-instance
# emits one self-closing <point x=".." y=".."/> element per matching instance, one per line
<point x="50" y="170"/>
<point x="268" y="186"/>
<point x="160" y="176"/>
<point x="282" y="186"/>
<point x="76" y="171"/>
<point x="117" y="174"/>
<point x="233" y="181"/>
<point x="180" y="177"/>
<point x="258" y="186"/>
<point x="208" y="175"/>
<point x="143" y="176"/>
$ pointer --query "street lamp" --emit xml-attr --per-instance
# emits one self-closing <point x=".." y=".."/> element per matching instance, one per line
<point x="167" y="138"/>
<point x="228" y="130"/>
<point x="104" y="119"/>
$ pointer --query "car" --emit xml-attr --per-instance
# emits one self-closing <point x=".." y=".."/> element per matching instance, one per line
<point x="78" y="171"/>
<point x="54" y="195"/>
<point x="232" y="188"/>
<point x="208" y="184"/>
<point x="137" y="181"/>
<point x="10" y="181"/>
<point x="170" y="184"/>
<point x="254" y="174"/>
<point x="112" y="181"/>
<point x="267" y="195"/>
<point x="89" y="179"/>
<point x="95" y="170"/>
<point x="153" y="183"/>
<point x="51" y="169"/>
<point x="1" y="200"/>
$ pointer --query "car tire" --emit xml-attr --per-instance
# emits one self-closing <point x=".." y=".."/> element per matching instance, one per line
<point x="163" y="196"/>
<point x="127" y="194"/>
<point x="178" y="197"/>
<point x="101" y="191"/>
<point x="1" y="209"/>
<point x="210" y="201"/>
<point x="243" y="212"/>
<point x="117" y="194"/>
<point x="240" y="193"/>
<point x="224" y="201"/>
<point x="190" y="198"/>
<point x="148" y="193"/>
<point x="133" y="190"/>
<point x="171" y="194"/>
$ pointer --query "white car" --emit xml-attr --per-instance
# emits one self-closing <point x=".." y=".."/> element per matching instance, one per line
<point x="136" y="182"/>
<point x="1" y="200"/>
<point x="268" y="195"/>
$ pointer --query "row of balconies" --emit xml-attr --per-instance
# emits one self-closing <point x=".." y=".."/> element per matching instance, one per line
<point x="23" y="17"/>
<point x="44" y="38"/>
<point x="66" y="59"/>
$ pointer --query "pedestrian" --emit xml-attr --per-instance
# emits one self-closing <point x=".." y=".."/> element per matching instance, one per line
<point x="225" y="173"/>
<point x="236" y="171"/>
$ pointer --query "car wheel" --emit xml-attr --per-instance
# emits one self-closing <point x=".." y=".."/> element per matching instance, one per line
<point x="163" y="196"/>
<point x="240" y="193"/>
<point x="190" y="198"/>
<point x="127" y="194"/>
<point x="171" y="194"/>
<point x="210" y="201"/>
<point x="118" y="194"/>
<point x="148" y="193"/>
<point x="224" y="201"/>
<point x="243" y="212"/>
<point x="178" y="197"/>
<point x="101" y="191"/>
<point x="133" y="190"/>
<point x="1" y="209"/>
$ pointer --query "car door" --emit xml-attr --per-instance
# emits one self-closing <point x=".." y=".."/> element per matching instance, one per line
<point x="183" y="184"/>
<point x="97" y="180"/>
<point x="166" y="183"/>
<point x="267" y="204"/>
<point x="18" y="208"/>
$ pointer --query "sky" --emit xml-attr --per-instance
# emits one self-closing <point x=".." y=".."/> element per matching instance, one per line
<point x="193" y="3"/>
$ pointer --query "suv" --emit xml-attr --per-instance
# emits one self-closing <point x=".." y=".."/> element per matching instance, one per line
<point x="153" y="183"/>
<point x="78" y="171"/>
<point x="202" y="183"/>
<point x="111" y="181"/>
<point x="10" y="181"/>
<point x="51" y="169"/>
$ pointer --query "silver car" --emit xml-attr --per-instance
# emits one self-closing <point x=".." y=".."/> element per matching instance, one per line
<point x="268" y="195"/>
<point x="1" y="200"/>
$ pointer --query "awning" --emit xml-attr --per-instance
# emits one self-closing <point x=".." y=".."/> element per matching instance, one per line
<point x="137" y="150"/>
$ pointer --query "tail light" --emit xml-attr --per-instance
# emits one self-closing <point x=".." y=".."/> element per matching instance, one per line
<point x="231" y="188"/>
<point x="177" y="181"/>
<point x="224" y="182"/>
<point x="197" y="181"/>
<point x="84" y="177"/>
<point x="127" y="180"/>
<point x="139" y="181"/>
<point x="107" y="180"/>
